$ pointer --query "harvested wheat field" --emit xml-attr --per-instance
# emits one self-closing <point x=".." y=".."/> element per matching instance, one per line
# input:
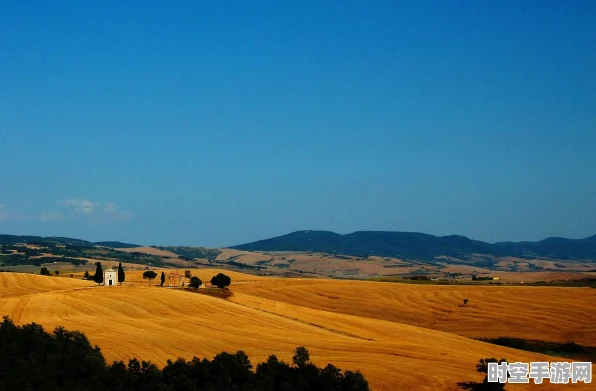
<point x="545" y="313"/>
<point x="367" y="326"/>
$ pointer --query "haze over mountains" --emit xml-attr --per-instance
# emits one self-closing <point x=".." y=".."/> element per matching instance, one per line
<point x="405" y="245"/>
<point x="14" y="239"/>
<point x="412" y="245"/>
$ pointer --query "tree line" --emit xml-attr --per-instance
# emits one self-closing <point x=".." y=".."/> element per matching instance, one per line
<point x="98" y="277"/>
<point x="220" y="280"/>
<point x="33" y="359"/>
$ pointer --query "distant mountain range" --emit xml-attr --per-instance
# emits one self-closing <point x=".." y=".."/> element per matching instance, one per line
<point x="14" y="239"/>
<point x="411" y="245"/>
<point x="405" y="245"/>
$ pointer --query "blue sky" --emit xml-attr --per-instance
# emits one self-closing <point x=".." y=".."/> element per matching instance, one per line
<point x="221" y="122"/>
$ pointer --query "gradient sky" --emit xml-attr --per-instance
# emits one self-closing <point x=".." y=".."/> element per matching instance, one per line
<point x="221" y="122"/>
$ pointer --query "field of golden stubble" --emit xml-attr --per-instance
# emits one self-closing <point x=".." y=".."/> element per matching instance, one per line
<point x="354" y="325"/>
<point x="544" y="313"/>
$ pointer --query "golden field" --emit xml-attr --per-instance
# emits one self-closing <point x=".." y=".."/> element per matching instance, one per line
<point x="400" y="336"/>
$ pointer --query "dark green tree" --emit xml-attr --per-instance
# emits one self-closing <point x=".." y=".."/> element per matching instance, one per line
<point x="163" y="278"/>
<point x="149" y="275"/>
<point x="86" y="276"/>
<point x="44" y="271"/>
<point x="56" y="272"/>
<point x="301" y="357"/>
<point x="33" y="359"/>
<point x="98" y="277"/>
<point x="36" y="360"/>
<point x="221" y="280"/>
<point x="354" y="381"/>
<point x="482" y="367"/>
<point x="121" y="276"/>
<point x="195" y="282"/>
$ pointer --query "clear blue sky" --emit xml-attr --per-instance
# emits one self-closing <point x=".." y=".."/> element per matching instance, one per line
<point x="221" y="122"/>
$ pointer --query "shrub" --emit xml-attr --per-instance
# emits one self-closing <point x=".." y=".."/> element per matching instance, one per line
<point x="149" y="275"/>
<point x="221" y="280"/>
<point x="195" y="282"/>
<point x="33" y="359"/>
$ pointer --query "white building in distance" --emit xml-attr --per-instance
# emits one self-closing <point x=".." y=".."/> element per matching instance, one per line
<point x="110" y="277"/>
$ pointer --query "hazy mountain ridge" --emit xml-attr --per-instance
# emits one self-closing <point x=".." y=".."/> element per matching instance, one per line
<point x="414" y="245"/>
<point x="405" y="245"/>
<point x="116" y="244"/>
<point x="14" y="239"/>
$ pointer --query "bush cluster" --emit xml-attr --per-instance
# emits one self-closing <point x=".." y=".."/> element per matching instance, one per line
<point x="33" y="359"/>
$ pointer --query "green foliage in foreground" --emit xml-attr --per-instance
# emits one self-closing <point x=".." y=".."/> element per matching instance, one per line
<point x="482" y="367"/>
<point x="33" y="359"/>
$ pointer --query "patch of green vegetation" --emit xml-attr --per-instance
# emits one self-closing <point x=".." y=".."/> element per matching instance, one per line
<point x="480" y="278"/>
<point x="34" y="359"/>
<point x="215" y="292"/>
<point x="192" y="252"/>
<point x="22" y="260"/>
<point x="134" y="257"/>
<point x="116" y="244"/>
<point x="52" y="249"/>
<point x="244" y="266"/>
<point x="582" y="283"/>
<point x="568" y="349"/>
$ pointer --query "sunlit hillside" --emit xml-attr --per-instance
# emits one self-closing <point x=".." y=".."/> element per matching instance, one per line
<point x="354" y="325"/>
<point x="543" y="313"/>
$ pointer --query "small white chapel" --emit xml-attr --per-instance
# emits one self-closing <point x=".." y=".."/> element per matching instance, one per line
<point x="109" y="277"/>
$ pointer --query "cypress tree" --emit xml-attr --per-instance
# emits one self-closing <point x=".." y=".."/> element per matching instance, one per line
<point x="98" y="277"/>
<point x="86" y="276"/>
<point x="163" y="278"/>
<point x="121" y="276"/>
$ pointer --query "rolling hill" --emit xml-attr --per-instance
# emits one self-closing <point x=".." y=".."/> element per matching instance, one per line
<point x="412" y="245"/>
<point x="388" y="333"/>
<point x="14" y="239"/>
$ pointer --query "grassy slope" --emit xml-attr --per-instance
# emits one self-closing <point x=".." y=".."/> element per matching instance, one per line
<point x="158" y="323"/>
<point x="21" y="284"/>
<point x="542" y="313"/>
